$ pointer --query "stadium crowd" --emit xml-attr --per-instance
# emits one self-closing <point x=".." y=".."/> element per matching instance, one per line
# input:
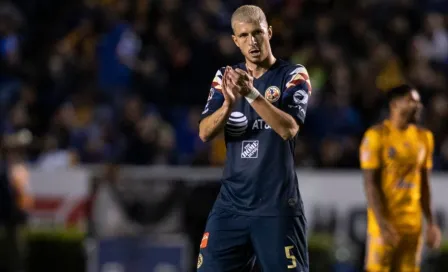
<point x="96" y="80"/>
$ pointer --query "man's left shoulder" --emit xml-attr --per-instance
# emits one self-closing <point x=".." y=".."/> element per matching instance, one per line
<point x="296" y="75"/>
<point x="291" y="68"/>
<point x="425" y="134"/>
<point x="421" y="130"/>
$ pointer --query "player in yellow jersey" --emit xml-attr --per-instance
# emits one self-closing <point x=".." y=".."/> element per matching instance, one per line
<point x="396" y="158"/>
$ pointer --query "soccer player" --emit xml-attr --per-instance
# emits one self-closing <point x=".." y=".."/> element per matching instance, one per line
<point x="396" y="158"/>
<point x="260" y="104"/>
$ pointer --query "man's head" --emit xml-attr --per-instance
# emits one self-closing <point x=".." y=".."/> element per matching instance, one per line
<point x="252" y="33"/>
<point x="404" y="101"/>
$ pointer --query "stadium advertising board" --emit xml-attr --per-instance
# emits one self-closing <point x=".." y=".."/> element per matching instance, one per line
<point x="140" y="254"/>
<point x="60" y="198"/>
<point x="334" y="200"/>
<point x="334" y="203"/>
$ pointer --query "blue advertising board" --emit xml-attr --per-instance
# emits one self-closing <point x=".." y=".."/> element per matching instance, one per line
<point x="140" y="254"/>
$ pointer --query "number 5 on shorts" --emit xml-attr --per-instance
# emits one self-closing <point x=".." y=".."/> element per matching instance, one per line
<point x="291" y="257"/>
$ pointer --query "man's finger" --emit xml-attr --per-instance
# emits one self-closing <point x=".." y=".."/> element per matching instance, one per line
<point x="225" y="82"/>
<point x="224" y="79"/>
<point x="230" y="84"/>
<point x="238" y="79"/>
<point x="241" y="72"/>
<point x="437" y="240"/>
<point x="227" y="71"/>
<point x="232" y="78"/>
<point x="232" y="73"/>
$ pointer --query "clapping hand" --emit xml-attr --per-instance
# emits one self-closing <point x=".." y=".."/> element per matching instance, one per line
<point x="228" y="90"/>
<point x="239" y="81"/>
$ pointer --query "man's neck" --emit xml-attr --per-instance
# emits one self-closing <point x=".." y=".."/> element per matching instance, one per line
<point x="398" y="122"/>
<point x="258" y="69"/>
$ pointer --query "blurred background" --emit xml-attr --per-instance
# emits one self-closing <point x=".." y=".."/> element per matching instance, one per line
<point x="99" y="106"/>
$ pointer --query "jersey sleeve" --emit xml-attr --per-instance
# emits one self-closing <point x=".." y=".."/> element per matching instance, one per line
<point x="370" y="150"/>
<point x="296" y="94"/>
<point x="430" y="148"/>
<point x="215" y="96"/>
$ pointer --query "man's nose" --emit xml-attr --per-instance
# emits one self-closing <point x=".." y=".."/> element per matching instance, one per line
<point x="253" y="40"/>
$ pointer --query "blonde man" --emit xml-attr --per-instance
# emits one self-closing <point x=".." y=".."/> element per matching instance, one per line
<point x="260" y="105"/>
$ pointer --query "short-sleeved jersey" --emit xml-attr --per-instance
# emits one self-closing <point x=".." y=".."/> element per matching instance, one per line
<point x="259" y="175"/>
<point x="401" y="155"/>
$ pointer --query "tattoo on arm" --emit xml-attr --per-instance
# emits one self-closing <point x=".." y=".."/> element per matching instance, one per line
<point x="213" y="124"/>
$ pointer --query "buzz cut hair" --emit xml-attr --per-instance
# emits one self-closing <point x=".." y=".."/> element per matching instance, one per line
<point x="248" y="14"/>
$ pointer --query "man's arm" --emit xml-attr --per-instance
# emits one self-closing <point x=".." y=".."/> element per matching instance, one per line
<point x="294" y="100"/>
<point x="425" y="199"/>
<point x="425" y="173"/>
<point x="374" y="194"/>
<point x="433" y="234"/>
<point x="217" y="110"/>
<point x="280" y="121"/>
<point x="370" y="158"/>
<point x="214" y="124"/>
<point x="20" y="181"/>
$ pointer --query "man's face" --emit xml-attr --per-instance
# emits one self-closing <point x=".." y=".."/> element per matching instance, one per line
<point x="410" y="106"/>
<point x="252" y="38"/>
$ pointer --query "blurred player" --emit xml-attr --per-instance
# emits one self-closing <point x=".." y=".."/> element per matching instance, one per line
<point x="396" y="158"/>
<point x="260" y="104"/>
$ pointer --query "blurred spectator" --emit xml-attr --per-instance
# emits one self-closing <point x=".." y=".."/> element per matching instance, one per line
<point x="189" y="145"/>
<point x="128" y="79"/>
<point x="433" y="42"/>
<point x="15" y="198"/>
<point x="117" y="52"/>
<point x="10" y="20"/>
<point x="53" y="157"/>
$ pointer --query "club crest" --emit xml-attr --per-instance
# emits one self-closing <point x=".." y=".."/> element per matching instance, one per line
<point x="272" y="94"/>
<point x="392" y="152"/>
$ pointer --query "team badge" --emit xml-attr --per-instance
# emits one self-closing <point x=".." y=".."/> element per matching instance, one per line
<point x="392" y="152"/>
<point x="272" y="94"/>
<point x="200" y="260"/>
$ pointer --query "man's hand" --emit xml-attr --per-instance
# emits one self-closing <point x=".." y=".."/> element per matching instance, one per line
<point x="228" y="89"/>
<point x="240" y="81"/>
<point x="433" y="236"/>
<point x="389" y="234"/>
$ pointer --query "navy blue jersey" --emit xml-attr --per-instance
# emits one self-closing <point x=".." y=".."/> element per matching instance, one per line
<point x="259" y="175"/>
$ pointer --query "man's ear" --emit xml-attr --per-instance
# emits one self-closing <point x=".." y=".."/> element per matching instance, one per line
<point x="235" y="40"/>
<point x="270" y="32"/>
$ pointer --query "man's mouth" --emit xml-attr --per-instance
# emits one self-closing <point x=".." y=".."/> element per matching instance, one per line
<point x="254" y="51"/>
